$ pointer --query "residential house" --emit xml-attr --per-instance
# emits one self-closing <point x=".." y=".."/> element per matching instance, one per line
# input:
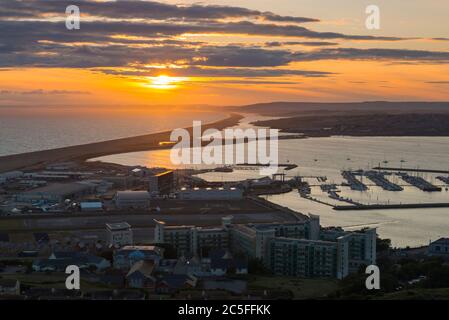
<point x="141" y="275"/>
<point x="58" y="261"/>
<point x="127" y="256"/>
<point x="222" y="262"/>
<point x="439" y="247"/>
<point x="169" y="284"/>
<point x="9" y="287"/>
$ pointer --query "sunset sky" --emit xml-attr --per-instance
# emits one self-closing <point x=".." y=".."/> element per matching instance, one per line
<point x="221" y="52"/>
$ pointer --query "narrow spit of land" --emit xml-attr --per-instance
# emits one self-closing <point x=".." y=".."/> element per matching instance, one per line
<point x="83" y="152"/>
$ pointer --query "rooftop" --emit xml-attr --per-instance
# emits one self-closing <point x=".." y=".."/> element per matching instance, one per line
<point x="118" y="226"/>
<point x="91" y="205"/>
<point x="146" y="248"/>
<point x="144" y="267"/>
<point x="133" y="195"/>
<point x="60" y="189"/>
<point x="163" y="173"/>
<point x="441" y="241"/>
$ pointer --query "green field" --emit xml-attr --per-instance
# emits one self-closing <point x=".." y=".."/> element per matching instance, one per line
<point x="417" y="294"/>
<point x="300" y="288"/>
<point x="11" y="224"/>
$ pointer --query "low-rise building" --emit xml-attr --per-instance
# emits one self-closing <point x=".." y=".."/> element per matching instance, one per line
<point x="57" y="192"/>
<point x="58" y="261"/>
<point x="188" y="265"/>
<point x="127" y="256"/>
<point x="174" y="282"/>
<point x="9" y="287"/>
<point x="222" y="262"/>
<point x="119" y="234"/>
<point x="439" y="247"/>
<point x="141" y="275"/>
<point x="91" y="206"/>
<point x="132" y="200"/>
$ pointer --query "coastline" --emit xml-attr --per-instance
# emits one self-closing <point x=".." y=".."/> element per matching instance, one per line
<point x="374" y="124"/>
<point x="83" y="152"/>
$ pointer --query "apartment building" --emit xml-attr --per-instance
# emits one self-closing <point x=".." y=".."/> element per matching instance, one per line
<point x="301" y="248"/>
<point x="191" y="239"/>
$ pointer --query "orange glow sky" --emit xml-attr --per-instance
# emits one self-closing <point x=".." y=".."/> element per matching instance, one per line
<point x="145" y="66"/>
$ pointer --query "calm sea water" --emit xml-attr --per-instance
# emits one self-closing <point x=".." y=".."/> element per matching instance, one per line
<point x="327" y="157"/>
<point x="40" y="131"/>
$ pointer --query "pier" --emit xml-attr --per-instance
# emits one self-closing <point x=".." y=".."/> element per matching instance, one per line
<point x="419" y="182"/>
<point x="443" y="179"/>
<point x="256" y="166"/>
<point x="391" y="206"/>
<point x="354" y="184"/>
<point x="379" y="179"/>
<point x="411" y="170"/>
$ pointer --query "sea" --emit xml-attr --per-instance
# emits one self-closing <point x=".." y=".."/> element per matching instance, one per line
<point x="34" y="131"/>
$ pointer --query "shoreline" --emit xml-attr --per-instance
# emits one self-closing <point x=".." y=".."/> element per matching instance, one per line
<point x="368" y="124"/>
<point x="83" y="152"/>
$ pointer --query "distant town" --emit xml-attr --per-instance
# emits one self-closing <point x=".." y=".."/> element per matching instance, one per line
<point x="154" y="233"/>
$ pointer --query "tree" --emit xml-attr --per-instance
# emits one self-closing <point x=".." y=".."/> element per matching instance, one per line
<point x="256" y="266"/>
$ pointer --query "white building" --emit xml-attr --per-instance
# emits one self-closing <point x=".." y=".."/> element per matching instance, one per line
<point x="132" y="199"/>
<point x="119" y="234"/>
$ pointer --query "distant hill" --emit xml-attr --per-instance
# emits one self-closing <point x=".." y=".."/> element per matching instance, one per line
<point x="370" y="124"/>
<point x="295" y="108"/>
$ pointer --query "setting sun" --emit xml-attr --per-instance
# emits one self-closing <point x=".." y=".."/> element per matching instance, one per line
<point x="165" y="82"/>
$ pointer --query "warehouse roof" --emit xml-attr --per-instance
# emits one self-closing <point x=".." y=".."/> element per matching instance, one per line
<point x="60" y="189"/>
<point x="118" y="226"/>
<point x="133" y="195"/>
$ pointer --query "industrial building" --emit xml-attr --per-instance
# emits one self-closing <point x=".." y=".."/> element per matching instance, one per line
<point x="301" y="249"/>
<point x="132" y="200"/>
<point x="57" y="192"/>
<point x="162" y="183"/>
<point x="119" y="234"/>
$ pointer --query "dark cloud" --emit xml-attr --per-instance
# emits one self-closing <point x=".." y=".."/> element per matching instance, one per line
<point x="302" y="43"/>
<point x="373" y="54"/>
<point x="218" y="72"/>
<point x="132" y="9"/>
<point x="438" y="82"/>
<point x="43" y="92"/>
<point x="233" y="56"/>
<point x="153" y="38"/>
